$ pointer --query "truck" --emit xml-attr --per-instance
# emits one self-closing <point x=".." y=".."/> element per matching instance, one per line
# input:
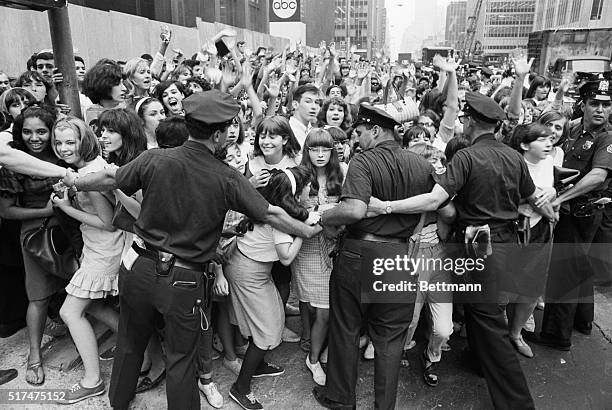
<point x="430" y="52"/>
<point x="561" y="53"/>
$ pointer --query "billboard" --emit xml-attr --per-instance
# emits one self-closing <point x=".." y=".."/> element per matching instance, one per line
<point x="283" y="11"/>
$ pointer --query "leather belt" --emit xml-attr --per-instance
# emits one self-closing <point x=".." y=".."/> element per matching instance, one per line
<point x="375" y="238"/>
<point x="179" y="263"/>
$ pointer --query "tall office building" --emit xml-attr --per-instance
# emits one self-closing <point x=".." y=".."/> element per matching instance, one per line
<point x="456" y="20"/>
<point x="559" y="14"/>
<point x="367" y="25"/>
<point x="247" y="14"/>
<point x="502" y="25"/>
<point x="319" y="21"/>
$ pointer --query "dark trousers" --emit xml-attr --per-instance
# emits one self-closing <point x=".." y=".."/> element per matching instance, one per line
<point x="599" y="254"/>
<point x="487" y="332"/>
<point x="142" y="294"/>
<point x="205" y="346"/>
<point x="387" y="324"/>
<point x="569" y="291"/>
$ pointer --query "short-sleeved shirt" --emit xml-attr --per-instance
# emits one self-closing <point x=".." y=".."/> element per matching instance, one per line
<point x="586" y="150"/>
<point x="489" y="179"/>
<point x="260" y="243"/>
<point x="186" y="194"/>
<point x="388" y="173"/>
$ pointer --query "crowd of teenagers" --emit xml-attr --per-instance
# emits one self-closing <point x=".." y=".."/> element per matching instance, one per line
<point x="294" y="138"/>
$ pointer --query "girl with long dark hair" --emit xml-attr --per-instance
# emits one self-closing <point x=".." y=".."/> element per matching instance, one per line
<point x="313" y="265"/>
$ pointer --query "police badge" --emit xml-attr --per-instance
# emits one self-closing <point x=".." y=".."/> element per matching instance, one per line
<point x="609" y="149"/>
<point x="587" y="145"/>
<point x="604" y="85"/>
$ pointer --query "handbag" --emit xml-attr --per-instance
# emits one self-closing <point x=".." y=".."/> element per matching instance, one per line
<point x="50" y="247"/>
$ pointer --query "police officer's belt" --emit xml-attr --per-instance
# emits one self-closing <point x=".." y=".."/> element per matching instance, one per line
<point x="375" y="238"/>
<point x="179" y="263"/>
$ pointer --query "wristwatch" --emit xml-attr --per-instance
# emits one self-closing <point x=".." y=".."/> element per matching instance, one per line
<point x="388" y="209"/>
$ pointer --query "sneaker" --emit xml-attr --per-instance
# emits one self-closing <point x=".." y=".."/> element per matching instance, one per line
<point x="363" y="341"/>
<point x="318" y="375"/>
<point x="529" y="324"/>
<point x="212" y="394"/>
<point x="241" y="350"/>
<point x="268" y="370"/>
<point x="291" y="310"/>
<point x="55" y="328"/>
<point x="217" y="345"/>
<point x="108" y="354"/>
<point x="290" y="336"/>
<point x="78" y="393"/>
<point x="246" y="401"/>
<point x="323" y="357"/>
<point x="233" y="365"/>
<point x="369" y="352"/>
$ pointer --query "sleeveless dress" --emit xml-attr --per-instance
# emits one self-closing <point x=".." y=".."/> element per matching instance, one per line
<point x="312" y="267"/>
<point x="97" y="277"/>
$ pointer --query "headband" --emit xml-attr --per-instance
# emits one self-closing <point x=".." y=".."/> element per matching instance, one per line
<point x="139" y="103"/>
<point x="292" y="180"/>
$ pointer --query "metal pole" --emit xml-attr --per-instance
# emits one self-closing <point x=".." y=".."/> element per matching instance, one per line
<point x="348" y="27"/>
<point x="59" y="25"/>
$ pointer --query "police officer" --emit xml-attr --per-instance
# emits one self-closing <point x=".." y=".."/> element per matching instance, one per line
<point x="386" y="171"/>
<point x="489" y="179"/>
<point x="187" y="193"/>
<point x="589" y="150"/>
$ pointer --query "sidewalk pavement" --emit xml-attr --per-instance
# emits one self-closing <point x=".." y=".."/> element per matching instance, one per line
<point x="579" y="379"/>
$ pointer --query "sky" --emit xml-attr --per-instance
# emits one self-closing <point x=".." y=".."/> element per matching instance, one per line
<point x="401" y="15"/>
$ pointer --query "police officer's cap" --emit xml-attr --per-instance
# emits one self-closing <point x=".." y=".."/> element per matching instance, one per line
<point x="483" y="108"/>
<point x="210" y="107"/>
<point x="369" y="114"/>
<point x="486" y="71"/>
<point x="598" y="90"/>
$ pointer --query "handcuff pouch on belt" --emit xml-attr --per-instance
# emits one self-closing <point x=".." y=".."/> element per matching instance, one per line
<point x="164" y="263"/>
<point x="585" y="206"/>
<point x="523" y="229"/>
<point x="478" y="241"/>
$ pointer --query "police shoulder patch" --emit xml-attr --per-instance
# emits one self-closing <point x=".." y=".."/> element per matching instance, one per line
<point x="609" y="149"/>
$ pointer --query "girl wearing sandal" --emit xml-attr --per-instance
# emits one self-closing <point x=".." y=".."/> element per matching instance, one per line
<point x="26" y="198"/>
<point x="96" y="279"/>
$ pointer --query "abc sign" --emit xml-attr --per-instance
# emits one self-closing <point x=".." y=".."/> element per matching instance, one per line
<point x="284" y="9"/>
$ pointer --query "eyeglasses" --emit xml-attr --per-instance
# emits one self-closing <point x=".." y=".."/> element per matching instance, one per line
<point x="319" y="150"/>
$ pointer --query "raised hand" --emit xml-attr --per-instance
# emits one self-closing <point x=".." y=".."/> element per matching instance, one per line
<point x="290" y="67"/>
<point x="521" y="65"/>
<point x="228" y="75"/>
<point x="246" y="79"/>
<point x="165" y="34"/>
<point x="363" y="69"/>
<point x="448" y="65"/>
<point x="273" y="86"/>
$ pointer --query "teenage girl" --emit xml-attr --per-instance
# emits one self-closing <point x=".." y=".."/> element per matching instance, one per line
<point x="313" y="265"/>
<point x="535" y="142"/>
<point x="26" y="198"/>
<point x="257" y="307"/>
<point x="97" y="278"/>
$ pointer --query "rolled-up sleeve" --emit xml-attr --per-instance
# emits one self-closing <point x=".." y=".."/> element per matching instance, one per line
<point x="129" y="177"/>
<point x="358" y="182"/>
<point x="242" y="197"/>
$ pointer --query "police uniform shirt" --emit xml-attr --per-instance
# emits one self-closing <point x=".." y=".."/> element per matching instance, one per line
<point x="489" y="179"/>
<point x="586" y="150"/>
<point x="389" y="173"/>
<point x="187" y="193"/>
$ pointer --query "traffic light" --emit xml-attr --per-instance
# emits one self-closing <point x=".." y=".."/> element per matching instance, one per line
<point x="38" y="5"/>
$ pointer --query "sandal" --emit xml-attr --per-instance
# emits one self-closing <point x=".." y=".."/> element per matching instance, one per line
<point x="429" y="372"/>
<point x="34" y="367"/>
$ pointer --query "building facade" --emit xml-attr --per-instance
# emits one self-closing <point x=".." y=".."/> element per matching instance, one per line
<point x="502" y="25"/>
<point x="367" y="26"/>
<point x="248" y="14"/>
<point x="559" y="14"/>
<point x="319" y="20"/>
<point x="456" y="22"/>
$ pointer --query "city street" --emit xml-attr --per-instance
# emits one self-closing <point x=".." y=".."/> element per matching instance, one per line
<point x="579" y="379"/>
